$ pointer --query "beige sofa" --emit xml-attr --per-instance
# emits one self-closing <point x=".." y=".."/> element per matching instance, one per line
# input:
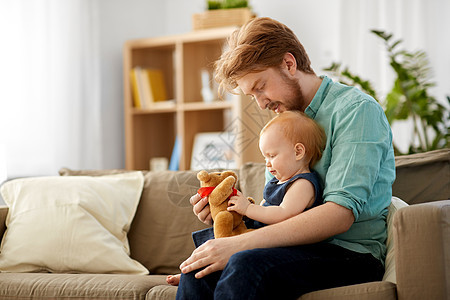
<point x="418" y="261"/>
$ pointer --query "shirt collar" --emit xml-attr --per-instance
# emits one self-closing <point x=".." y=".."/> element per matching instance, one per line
<point x="320" y="95"/>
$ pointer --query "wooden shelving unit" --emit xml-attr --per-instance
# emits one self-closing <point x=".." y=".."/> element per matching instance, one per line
<point x="152" y="132"/>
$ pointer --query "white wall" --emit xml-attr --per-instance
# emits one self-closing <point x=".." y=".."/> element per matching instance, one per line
<point x="330" y="30"/>
<point x="121" y="20"/>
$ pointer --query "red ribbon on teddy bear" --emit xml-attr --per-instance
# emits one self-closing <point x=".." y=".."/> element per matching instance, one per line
<point x="205" y="191"/>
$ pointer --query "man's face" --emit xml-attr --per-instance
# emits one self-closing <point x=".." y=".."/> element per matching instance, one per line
<point x="273" y="89"/>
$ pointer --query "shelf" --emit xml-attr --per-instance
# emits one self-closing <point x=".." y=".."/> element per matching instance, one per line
<point x="183" y="59"/>
<point x="218" y="104"/>
<point x="207" y="35"/>
<point x="158" y="107"/>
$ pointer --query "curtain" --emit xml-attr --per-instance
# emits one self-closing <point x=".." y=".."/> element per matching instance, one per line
<point x="49" y="86"/>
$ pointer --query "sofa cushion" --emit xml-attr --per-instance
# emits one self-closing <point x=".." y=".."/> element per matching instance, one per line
<point x="162" y="292"/>
<point x="160" y="234"/>
<point x="422" y="177"/>
<point x="77" y="286"/>
<point x="70" y="224"/>
<point x="378" y="290"/>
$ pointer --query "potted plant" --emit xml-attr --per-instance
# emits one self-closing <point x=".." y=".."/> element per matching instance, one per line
<point x="223" y="13"/>
<point x="409" y="97"/>
<point x="226" y="4"/>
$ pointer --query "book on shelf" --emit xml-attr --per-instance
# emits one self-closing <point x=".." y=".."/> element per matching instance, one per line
<point x="157" y="85"/>
<point x="146" y="92"/>
<point x="176" y="153"/>
<point x="135" y="88"/>
<point x="148" y="87"/>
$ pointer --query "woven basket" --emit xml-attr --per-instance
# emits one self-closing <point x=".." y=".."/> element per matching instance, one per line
<point x="221" y="18"/>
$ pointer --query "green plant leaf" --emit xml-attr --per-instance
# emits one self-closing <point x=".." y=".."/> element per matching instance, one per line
<point x="348" y="78"/>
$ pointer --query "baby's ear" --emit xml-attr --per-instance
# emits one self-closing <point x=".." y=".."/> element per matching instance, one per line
<point x="299" y="151"/>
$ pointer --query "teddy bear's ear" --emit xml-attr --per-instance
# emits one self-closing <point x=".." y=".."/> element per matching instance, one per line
<point x="203" y="176"/>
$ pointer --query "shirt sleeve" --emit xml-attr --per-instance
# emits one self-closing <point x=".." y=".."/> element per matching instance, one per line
<point x="360" y="140"/>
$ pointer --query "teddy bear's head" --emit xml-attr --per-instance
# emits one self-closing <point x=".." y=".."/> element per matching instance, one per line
<point x="219" y="187"/>
<point x="213" y="178"/>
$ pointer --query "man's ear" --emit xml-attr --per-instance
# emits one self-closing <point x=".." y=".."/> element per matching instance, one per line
<point x="300" y="151"/>
<point x="290" y="63"/>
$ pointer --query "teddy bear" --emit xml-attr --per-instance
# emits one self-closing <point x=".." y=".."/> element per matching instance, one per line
<point x="220" y="187"/>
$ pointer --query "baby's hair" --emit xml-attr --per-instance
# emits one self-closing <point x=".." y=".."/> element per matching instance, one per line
<point x="297" y="127"/>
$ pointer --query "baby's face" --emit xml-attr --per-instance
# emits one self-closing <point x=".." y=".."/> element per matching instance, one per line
<point x="279" y="153"/>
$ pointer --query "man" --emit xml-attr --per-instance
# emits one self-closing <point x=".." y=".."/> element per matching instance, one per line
<point x="341" y="242"/>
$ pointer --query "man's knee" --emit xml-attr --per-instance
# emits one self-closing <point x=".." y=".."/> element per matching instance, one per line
<point x="187" y="279"/>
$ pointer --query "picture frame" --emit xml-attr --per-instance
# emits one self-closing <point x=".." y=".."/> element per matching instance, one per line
<point x="213" y="150"/>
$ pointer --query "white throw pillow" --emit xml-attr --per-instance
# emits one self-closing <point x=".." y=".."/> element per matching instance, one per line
<point x="389" y="273"/>
<point x="70" y="224"/>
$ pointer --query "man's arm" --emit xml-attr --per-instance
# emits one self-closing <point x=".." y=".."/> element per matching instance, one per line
<point x="314" y="225"/>
<point x="311" y="226"/>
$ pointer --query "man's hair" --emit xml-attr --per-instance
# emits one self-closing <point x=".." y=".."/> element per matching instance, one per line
<point x="297" y="127"/>
<point x="259" y="44"/>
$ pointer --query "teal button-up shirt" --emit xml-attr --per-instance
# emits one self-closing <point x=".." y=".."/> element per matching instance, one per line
<point x="357" y="168"/>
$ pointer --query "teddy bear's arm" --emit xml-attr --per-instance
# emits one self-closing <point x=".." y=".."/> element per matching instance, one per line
<point x="223" y="190"/>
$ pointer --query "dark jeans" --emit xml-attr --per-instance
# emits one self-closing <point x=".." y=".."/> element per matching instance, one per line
<point x="282" y="273"/>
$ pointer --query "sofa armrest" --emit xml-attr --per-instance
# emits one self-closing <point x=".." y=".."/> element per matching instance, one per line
<point x="3" y="214"/>
<point x="422" y="239"/>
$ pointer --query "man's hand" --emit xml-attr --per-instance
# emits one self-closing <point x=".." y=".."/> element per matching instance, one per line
<point x="214" y="255"/>
<point x="201" y="208"/>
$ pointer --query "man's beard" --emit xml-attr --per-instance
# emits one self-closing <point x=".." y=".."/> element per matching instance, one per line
<point x="295" y="100"/>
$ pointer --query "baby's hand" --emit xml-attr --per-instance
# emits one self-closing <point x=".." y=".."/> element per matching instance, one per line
<point x="238" y="203"/>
